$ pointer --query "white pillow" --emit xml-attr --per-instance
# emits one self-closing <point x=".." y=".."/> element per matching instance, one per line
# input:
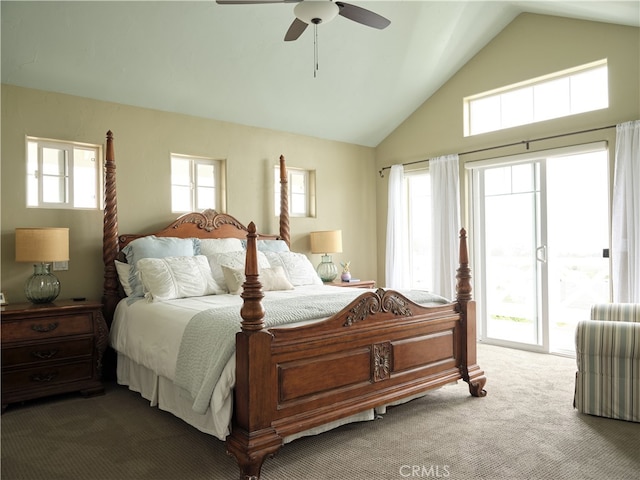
<point x="177" y="277"/>
<point x="154" y="247"/>
<point x="210" y="246"/>
<point x="234" y="259"/>
<point x="271" y="279"/>
<point x="123" y="270"/>
<point x="297" y="267"/>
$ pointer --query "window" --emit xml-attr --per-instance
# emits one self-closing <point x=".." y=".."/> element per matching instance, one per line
<point x="578" y="90"/>
<point x="301" y="185"/>
<point x="63" y="174"/>
<point x="418" y="188"/>
<point x="196" y="184"/>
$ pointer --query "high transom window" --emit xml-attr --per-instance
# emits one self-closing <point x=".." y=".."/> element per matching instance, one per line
<point x="196" y="184"/>
<point x="302" y="191"/>
<point x="63" y="174"/>
<point x="569" y="92"/>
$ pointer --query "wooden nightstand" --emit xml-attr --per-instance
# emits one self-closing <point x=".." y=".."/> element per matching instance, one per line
<point x="52" y="348"/>
<point x="359" y="284"/>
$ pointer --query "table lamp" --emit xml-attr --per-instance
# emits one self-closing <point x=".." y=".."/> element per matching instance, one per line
<point x="324" y="243"/>
<point x="42" y="246"/>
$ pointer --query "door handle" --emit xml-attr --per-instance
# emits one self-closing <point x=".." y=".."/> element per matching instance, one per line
<point x="541" y="253"/>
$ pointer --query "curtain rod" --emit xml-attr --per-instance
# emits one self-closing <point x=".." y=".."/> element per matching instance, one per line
<point x="525" y="142"/>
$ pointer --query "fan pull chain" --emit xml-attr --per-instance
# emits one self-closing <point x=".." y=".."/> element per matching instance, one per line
<point x="315" y="49"/>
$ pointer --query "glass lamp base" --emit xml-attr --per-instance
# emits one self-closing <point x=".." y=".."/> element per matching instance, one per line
<point x="43" y="286"/>
<point x="327" y="271"/>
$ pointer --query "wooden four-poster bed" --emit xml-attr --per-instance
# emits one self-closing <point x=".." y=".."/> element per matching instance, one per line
<point x="288" y="379"/>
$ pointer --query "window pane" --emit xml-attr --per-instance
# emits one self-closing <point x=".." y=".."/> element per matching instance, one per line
<point x="205" y="175"/>
<point x="180" y="171"/>
<point x="551" y="99"/>
<point x="297" y="183"/>
<point x="298" y="205"/>
<point x="419" y="221"/>
<point x="517" y="107"/>
<point x="53" y="161"/>
<point x="589" y="91"/>
<point x="32" y="174"/>
<point x="206" y="198"/>
<point x="522" y="178"/>
<point x="484" y="115"/>
<point x="497" y="181"/>
<point x="85" y="182"/>
<point x="180" y="199"/>
<point x="53" y="189"/>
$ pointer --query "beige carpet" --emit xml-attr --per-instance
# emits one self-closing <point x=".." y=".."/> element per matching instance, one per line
<point x="525" y="428"/>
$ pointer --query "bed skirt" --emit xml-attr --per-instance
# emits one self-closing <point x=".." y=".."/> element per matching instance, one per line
<point x="164" y="394"/>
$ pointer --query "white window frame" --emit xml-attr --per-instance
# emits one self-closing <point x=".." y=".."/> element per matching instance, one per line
<point x="34" y="170"/>
<point x="219" y="188"/>
<point x="539" y="92"/>
<point x="308" y="195"/>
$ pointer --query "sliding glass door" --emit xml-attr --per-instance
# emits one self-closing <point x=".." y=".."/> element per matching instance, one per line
<point x="541" y="229"/>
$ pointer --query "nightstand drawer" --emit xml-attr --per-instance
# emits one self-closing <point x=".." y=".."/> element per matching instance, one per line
<point x="46" y="351"/>
<point x="47" y="327"/>
<point x="45" y="375"/>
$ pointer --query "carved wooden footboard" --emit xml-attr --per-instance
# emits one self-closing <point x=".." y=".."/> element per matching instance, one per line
<point x="380" y="348"/>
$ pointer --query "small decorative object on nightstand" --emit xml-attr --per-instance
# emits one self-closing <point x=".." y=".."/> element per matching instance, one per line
<point x="52" y="348"/>
<point x="346" y="274"/>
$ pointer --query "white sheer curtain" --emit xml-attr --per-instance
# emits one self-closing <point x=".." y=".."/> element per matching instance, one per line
<point x="625" y="248"/>
<point x="396" y="263"/>
<point x="445" y="201"/>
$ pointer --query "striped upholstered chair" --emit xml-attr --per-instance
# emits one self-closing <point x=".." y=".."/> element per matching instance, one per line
<point x="608" y="357"/>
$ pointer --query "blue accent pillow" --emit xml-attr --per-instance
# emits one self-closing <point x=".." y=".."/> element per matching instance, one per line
<point x="154" y="247"/>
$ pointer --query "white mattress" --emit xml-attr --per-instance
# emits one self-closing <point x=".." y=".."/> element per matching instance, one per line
<point x="147" y="337"/>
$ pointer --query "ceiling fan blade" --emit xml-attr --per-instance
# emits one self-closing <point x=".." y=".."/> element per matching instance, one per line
<point x="252" y="2"/>
<point x="362" y="15"/>
<point x="295" y="30"/>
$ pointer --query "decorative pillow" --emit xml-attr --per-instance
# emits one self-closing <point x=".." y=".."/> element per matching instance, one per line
<point x="154" y="247"/>
<point x="269" y="245"/>
<point x="297" y="267"/>
<point x="210" y="246"/>
<point x="123" y="270"/>
<point x="231" y="260"/>
<point x="271" y="279"/>
<point x="177" y="277"/>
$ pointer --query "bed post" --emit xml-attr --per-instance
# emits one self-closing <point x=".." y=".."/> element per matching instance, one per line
<point x="284" y="202"/>
<point x="252" y="438"/>
<point x="471" y="372"/>
<point x="110" y="233"/>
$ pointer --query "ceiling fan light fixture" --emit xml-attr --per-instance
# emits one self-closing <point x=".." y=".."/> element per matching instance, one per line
<point x="311" y="11"/>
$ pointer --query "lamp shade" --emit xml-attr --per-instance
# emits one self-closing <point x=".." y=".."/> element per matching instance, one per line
<point x="329" y="241"/>
<point x="42" y="244"/>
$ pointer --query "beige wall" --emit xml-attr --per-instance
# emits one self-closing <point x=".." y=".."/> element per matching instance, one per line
<point x="143" y="141"/>
<point x="531" y="46"/>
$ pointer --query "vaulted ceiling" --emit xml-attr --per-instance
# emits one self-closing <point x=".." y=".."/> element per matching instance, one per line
<point x="230" y="63"/>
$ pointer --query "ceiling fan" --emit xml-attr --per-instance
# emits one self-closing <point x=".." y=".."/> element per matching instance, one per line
<point x="320" y="11"/>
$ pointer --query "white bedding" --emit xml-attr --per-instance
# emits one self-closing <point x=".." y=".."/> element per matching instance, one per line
<point x="147" y="337"/>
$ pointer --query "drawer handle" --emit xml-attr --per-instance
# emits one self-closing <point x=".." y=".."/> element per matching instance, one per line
<point x="44" y="328"/>
<point x="44" y="354"/>
<point x="43" y="377"/>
